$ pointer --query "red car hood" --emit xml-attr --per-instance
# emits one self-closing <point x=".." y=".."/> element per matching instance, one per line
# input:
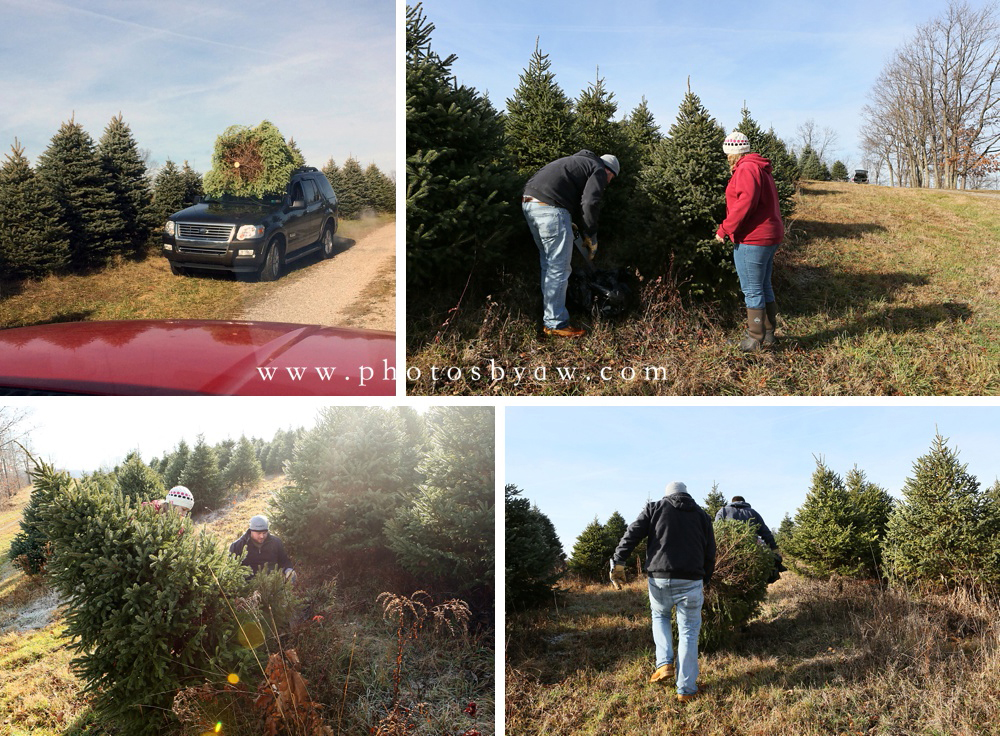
<point x="153" y="357"/>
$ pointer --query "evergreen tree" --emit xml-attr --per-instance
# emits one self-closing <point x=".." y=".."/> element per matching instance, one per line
<point x="810" y="166"/>
<point x="457" y="186"/>
<point x="194" y="188"/>
<point x="839" y="171"/>
<point x="539" y="121"/>
<point x="137" y="481"/>
<point x="29" y="548"/>
<point x="297" y="156"/>
<point x="201" y="476"/>
<point x="33" y="239"/>
<point x="446" y="533"/>
<point x="175" y="464"/>
<point x="352" y="196"/>
<point x="784" y="532"/>
<point x="643" y="132"/>
<point x="713" y="501"/>
<point x="251" y="162"/>
<point x="71" y="169"/>
<point x="872" y="507"/>
<point x="942" y="534"/>
<point x="533" y="554"/>
<point x="822" y="539"/>
<point x="242" y="472"/>
<point x="169" y="192"/>
<point x="332" y="173"/>
<point x="685" y="186"/>
<point x="146" y="599"/>
<point x="784" y="167"/>
<point x="127" y="173"/>
<point x="589" y="558"/>
<point x="381" y="188"/>
<point x="224" y="452"/>
<point x="344" y="481"/>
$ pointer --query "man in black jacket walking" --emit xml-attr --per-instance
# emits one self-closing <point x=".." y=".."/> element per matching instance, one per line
<point x="739" y="510"/>
<point x="549" y="199"/>
<point x="680" y="560"/>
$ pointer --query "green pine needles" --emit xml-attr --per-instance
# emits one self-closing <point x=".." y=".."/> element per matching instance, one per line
<point x="251" y="162"/>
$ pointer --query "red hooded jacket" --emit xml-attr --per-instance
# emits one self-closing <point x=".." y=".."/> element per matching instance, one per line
<point x="752" y="214"/>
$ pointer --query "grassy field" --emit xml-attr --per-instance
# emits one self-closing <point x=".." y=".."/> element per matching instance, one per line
<point x="880" y="292"/>
<point x="823" y="658"/>
<point x="147" y="290"/>
<point x="348" y="653"/>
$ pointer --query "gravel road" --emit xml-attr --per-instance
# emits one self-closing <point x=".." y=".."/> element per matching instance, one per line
<point x="355" y="288"/>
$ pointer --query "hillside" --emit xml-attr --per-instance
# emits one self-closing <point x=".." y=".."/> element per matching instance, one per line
<point x="837" y="657"/>
<point x="348" y="652"/>
<point x="880" y="292"/>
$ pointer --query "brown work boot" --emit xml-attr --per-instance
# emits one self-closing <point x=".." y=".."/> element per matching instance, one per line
<point x="664" y="675"/>
<point x="754" y="337"/>
<point x="687" y="698"/>
<point x="567" y="331"/>
<point x="770" y="323"/>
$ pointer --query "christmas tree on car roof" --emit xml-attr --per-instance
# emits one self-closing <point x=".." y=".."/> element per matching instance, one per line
<point x="251" y="162"/>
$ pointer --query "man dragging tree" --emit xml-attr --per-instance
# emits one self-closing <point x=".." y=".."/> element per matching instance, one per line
<point x="263" y="549"/>
<point x="680" y="560"/>
<point x="549" y="198"/>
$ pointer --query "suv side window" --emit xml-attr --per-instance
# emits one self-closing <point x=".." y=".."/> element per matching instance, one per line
<point x="325" y="188"/>
<point x="297" y="193"/>
<point x="311" y="195"/>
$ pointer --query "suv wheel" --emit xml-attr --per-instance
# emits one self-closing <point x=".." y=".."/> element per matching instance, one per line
<point x="327" y="241"/>
<point x="272" y="264"/>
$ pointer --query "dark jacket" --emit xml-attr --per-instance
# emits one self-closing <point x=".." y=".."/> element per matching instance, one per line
<point x="680" y="541"/>
<point x="741" y="511"/>
<point x="271" y="553"/>
<point x="571" y="182"/>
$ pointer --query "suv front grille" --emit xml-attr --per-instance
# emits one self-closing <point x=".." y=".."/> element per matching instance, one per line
<point x="200" y="233"/>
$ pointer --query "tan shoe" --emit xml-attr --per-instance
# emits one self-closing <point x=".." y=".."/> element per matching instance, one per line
<point x="687" y="698"/>
<point x="567" y="331"/>
<point x="664" y="675"/>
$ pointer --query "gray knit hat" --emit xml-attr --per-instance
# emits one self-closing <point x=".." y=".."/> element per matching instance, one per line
<point x="736" y="142"/>
<point x="612" y="163"/>
<point x="258" y="524"/>
<point x="675" y="486"/>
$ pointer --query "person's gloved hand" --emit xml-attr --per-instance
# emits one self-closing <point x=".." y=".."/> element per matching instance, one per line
<point x="290" y="576"/>
<point x="592" y="247"/>
<point x="617" y="575"/>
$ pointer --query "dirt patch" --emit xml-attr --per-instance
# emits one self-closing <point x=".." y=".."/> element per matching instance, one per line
<point x="355" y="288"/>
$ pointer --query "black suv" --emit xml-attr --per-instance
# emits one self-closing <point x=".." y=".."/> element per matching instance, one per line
<point x="255" y="236"/>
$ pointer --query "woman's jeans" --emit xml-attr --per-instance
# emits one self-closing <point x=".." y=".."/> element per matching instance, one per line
<point x="552" y="228"/>
<point x="754" y="264"/>
<point x="688" y="596"/>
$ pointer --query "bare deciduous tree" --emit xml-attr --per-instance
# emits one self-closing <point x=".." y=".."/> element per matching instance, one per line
<point x="933" y="117"/>
<point x="13" y="458"/>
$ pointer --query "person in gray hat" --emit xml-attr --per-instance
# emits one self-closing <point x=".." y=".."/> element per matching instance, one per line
<point x="680" y="560"/>
<point x="263" y="549"/>
<point x="549" y="199"/>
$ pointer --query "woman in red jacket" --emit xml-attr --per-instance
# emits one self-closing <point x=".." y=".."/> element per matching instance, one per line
<point x="753" y="223"/>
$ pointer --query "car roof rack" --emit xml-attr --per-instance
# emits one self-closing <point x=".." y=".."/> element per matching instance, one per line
<point x="305" y="169"/>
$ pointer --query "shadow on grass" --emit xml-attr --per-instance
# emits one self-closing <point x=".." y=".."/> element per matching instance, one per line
<point x="803" y="232"/>
<point x="81" y="316"/>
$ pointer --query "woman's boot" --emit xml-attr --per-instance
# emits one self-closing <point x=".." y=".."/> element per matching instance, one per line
<point x="754" y="337"/>
<point x="770" y="322"/>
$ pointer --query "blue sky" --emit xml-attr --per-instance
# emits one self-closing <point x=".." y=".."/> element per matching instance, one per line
<point x="87" y="433"/>
<point x="181" y="72"/>
<point x="578" y="463"/>
<point x="789" y="61"/>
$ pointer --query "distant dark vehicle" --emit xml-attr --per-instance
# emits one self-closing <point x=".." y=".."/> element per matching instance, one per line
<point x="255" y="237"/>
<point x="860" y="176"/>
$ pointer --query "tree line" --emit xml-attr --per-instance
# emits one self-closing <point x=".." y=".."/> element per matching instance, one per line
<point x="87" y="203"/>
<point x="466" y="163"/>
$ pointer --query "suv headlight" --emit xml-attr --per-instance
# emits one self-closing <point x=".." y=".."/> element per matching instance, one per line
<point x="169" y="227"/>
<point x="248" y="232"/>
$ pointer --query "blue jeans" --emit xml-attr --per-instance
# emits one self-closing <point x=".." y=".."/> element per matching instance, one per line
<point x="754" y="264"/>
<point x="688" y="596"/>
<point x="552" y="229"/>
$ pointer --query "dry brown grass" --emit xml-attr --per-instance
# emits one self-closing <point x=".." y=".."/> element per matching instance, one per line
<point x="837" y="657"/>
<point x="143" y="290"/>
<point x="880" y="292"/>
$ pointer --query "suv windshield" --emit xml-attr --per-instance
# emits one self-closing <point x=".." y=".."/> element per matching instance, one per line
<point x="269" y="200"/>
